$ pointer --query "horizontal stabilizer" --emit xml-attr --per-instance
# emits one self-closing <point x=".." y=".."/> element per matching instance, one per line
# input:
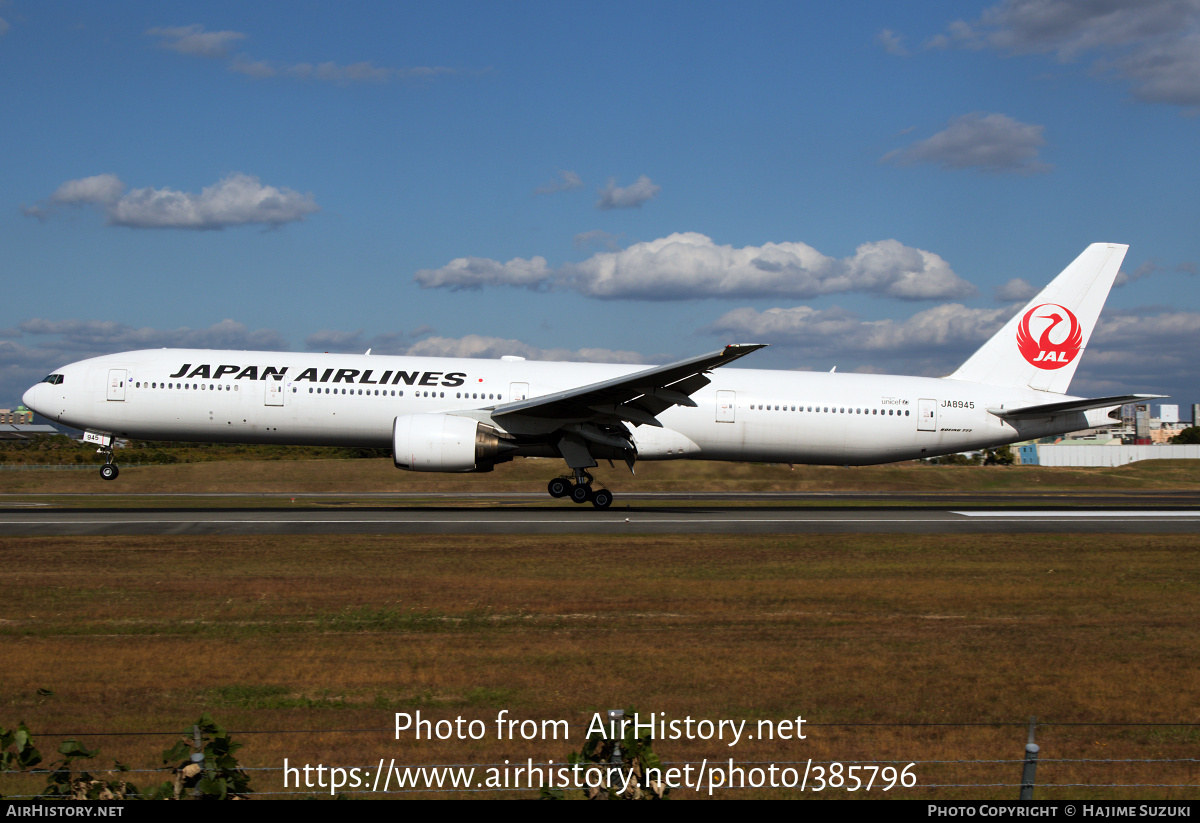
<point x="1077" y="405"/>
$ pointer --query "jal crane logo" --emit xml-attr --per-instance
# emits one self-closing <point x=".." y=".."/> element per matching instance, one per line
<point x="1049" y="336"/>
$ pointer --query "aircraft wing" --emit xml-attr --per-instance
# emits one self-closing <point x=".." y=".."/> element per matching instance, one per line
<point x="635" y="398"/>
<point x="1077" y="405"/>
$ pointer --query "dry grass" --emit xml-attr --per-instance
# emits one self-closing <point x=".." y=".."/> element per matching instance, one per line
<point x="328" y="633"/>
<point x="530" y="475"/>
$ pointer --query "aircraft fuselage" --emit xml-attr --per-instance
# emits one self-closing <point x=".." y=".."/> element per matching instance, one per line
<point x="352" y="400"/>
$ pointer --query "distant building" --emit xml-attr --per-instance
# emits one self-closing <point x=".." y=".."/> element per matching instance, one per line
<point x="20" y="415"/>
<point x="1058" y="454"/>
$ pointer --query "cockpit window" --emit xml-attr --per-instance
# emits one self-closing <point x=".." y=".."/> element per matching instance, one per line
<point x="54" y="379"/>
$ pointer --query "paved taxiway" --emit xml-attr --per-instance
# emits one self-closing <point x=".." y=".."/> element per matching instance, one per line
<point x="503" y="513"/>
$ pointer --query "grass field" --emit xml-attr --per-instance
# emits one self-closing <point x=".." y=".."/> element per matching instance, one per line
<point x="365" y="476"/>
<point x="307" y="646"/>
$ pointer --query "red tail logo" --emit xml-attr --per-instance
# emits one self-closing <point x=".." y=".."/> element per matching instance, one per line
<point x="1058" y="339"/>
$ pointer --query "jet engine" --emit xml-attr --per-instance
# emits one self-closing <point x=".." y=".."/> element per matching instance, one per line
<point x="445" y="443"/>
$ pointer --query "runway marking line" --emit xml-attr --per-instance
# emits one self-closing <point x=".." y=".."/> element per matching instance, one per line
<point x="1071" y="513"/>
<point x="1108" y="515"/>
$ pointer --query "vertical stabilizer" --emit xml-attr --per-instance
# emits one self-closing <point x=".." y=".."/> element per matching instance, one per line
<point x="1040" y="346"/>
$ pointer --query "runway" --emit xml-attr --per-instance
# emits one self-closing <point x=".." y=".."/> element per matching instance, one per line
<point x="722" y="513"/>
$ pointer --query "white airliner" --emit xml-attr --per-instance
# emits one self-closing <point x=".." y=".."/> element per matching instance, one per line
<point x="463" y="415"/>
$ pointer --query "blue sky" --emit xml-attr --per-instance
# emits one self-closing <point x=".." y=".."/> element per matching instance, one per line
<point x="874" y="186"/>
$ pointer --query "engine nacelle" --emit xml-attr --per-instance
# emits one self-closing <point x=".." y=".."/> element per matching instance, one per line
<point x="443" y="443"/>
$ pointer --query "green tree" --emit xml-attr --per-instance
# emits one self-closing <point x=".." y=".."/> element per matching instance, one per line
<point x="1002" y="456"/>
<point x="631" y="755"/>
<point x="207" y="768"/>
<point x="1188" y="437"/>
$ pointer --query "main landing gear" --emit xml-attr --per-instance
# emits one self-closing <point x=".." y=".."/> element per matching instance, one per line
<point x="579" y="489"/>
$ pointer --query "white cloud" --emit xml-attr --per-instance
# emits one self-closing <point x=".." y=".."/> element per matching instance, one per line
<point x="1154" y="44"/>
<point x="1136" y="351"/>
<point x="472" y="345"/>
<point x="1145" y="270"/>
<point x="615" y="197"/>
<point x="989" y="142"/>
<point x="567" y="181"/>
<point x="258" y="69"/>
<point x="596" y="239"/>
<point x="194" y="41"/>
<point x="1017" y="290"/>
<point x="361" y="72"/>
<point x="1142" y="352"/>
<point x="91" y="337"/>
<point x="690" y="265"/>
<point x="235" y="200"/>
<point x="892" y="42"/>
<point x="4" y="27"/>
<point x="948" y="327"/>
<point x="334" y="340"/>
<point x="99" y="189"/>
<point x="38" y="346"/>
<point x="476" y="272"/>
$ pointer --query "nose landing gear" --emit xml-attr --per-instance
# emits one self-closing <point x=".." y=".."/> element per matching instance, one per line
<point x="109" y="470"/>
<point x="579" y="489"/>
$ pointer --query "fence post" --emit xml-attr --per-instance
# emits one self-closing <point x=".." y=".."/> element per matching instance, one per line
<point x="1030" y="769"/>
<point x="197" y="755"/>
<point x="617" y="758"/>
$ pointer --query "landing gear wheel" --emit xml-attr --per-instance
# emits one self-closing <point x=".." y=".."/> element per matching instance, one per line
<point x="109" y="471"/>
<point x="581" y="493"/>
<point x="602" y="498"/>
<point x="559" y="487"/>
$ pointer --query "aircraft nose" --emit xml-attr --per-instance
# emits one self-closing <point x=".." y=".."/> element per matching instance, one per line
<point x="30" y="398"/>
